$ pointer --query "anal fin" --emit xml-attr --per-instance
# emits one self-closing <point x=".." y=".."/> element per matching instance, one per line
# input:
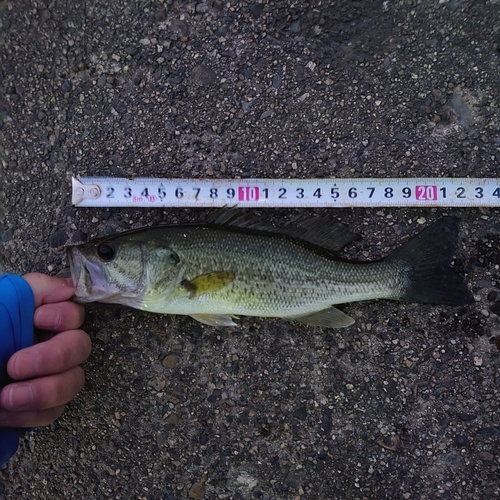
<point x="330" y="318"/>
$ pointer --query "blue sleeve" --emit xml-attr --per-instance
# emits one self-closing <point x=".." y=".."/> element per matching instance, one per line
<point x="17" y="305"/>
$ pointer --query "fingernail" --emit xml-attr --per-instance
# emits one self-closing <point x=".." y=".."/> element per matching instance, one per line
<point x="20" y="396"/>
<point x="47" y="318"/>
<point x="69" y="282"/>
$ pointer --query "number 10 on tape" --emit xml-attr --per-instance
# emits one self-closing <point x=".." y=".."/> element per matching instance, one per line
<point x="341" y="193"/>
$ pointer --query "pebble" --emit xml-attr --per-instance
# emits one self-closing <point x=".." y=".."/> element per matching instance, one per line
<point x="466" y="417"/>
<point x="203" y="75"/>
<point x="7" y="235"/>
<point x="197" y="491"/>
<point x="256" y="9"/>
<point x="461" y="441"/>
<point x="160" y="15"/>
<point x="202" y="8"/>
<point x="495" y="308"/>
<point x="58" y="238"/>
<point x="170" y="361"/>
<point x="79" y="237"/>
<point x="119" y="107"/>
<point x="486" y="456"/>
<point x="247" y="482"/>
<point x="276" y="81"/>
<point x="483" y="284"/>
<point x="300" y="413"/>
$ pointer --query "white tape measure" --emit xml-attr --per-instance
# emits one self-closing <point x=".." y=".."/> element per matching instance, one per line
<point x="341" y="193"/>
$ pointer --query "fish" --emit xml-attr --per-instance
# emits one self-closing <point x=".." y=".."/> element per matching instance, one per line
<point x="236" y="265"/>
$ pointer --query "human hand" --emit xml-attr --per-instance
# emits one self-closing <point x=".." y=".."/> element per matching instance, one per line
<point x="47" y="375"/>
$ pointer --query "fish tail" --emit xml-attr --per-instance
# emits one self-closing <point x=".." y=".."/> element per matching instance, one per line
<point x="427" y="258"/>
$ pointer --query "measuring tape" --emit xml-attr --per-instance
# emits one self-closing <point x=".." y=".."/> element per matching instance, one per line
<point x="312" y="193"/>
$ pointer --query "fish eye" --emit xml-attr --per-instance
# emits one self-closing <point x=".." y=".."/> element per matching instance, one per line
<point x="106" y="252"/>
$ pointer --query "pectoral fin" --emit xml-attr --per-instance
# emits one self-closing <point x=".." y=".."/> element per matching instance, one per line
<point x="214" y="319"/>
<point x="206" y="283"/>
<point x="331" y="317"/>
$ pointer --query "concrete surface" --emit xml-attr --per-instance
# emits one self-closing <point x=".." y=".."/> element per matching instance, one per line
<point x="402" y="405"/>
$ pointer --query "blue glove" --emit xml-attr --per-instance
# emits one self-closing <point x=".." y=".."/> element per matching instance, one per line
<point x="17" y="305"/>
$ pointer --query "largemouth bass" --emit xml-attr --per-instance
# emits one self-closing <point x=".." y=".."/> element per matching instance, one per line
<point x="235" y="265"/>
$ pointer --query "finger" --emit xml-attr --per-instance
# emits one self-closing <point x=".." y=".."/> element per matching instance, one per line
<point x="58" y="317"/>
<point x="30" y="418"/>
<point x="42" y="393"/>
<point x="58" y="354"/>
<point x="48" y="289"/>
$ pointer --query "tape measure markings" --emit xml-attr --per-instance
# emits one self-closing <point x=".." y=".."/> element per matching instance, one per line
<point x="306" y="193"/>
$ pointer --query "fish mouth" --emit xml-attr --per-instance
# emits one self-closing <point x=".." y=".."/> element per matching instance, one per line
<point x="88" y="278"/>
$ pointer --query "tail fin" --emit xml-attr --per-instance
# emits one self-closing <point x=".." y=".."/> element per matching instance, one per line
<point x="429" y="255"/>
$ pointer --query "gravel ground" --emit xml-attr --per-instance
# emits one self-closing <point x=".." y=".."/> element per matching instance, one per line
<point x="402" y="405"/>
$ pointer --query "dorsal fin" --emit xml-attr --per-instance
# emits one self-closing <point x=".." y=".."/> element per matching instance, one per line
<point x="319" y="230"/>
<point x="238" y="218"/>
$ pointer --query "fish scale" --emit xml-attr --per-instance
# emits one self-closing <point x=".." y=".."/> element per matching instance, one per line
<point x="264" y="282"/>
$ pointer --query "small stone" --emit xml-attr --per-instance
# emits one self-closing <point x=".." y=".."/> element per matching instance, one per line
<point x="461" y="441"/>
<point x="326" y="421"/>
<point x="173" y="419"/>
<point x="66" y="86"/>
<point x="276" y="81"/>
<point x="7" y="235"/>
<point x="79" y="237"/>
<point x="103" y="335"/>
<point x="466" y="417"/>
<point x="256" y="9"/>
<point x="197" y="491"/>
<point x="478" y="361"/>
<point x="495" y="308"/>
<point x="58" y="238"/>
<point x="158" y="384"/>
<point x="202" y="8"/>
<point x="160" y="15"/>
<point x="203" y="75"/>
<point x="44" y="15"/>
<point x="246" y="482"/>
<point x="170" y="361"/>
<point x="294" y="480"/>
<point x="486" y="456"/>
<point x="119" y="107"/>
<point x="300" y="413"/>
<point x="492" y="296"/>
